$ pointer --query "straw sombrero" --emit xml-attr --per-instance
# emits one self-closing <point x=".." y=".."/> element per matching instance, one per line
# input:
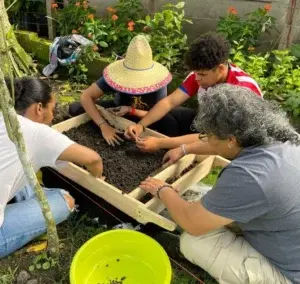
<point x="137" y="74"/>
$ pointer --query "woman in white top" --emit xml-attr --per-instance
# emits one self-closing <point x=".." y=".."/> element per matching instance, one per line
<point x="21" y="218"/>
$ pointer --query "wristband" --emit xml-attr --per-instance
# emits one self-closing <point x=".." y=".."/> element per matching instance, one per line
<point x="132" y="112"/>
<point x="183" y="149"/>
<point x="144" y="128"/>
<point x="161" y="187"/>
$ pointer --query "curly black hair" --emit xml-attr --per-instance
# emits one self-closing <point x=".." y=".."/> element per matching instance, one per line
<point x="207" y="52"/>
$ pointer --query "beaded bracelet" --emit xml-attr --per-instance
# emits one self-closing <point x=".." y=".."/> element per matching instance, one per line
<point x="161" y="187"/>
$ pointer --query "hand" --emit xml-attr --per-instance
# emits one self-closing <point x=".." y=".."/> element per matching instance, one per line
<point x="173" y="156"/>
<point x="110" y="134"/>
<point x="133" y="131"/>
<point x="151" y="185"/>
<point x="148" y="144"/>
<point x="120" y="111"/>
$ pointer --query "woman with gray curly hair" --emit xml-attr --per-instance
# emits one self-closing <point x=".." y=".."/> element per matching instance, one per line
<point x="259" y="191"/>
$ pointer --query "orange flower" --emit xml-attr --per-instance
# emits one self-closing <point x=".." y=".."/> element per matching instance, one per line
<point x="54" y="5"/>
<point x="77" y="4"/>
<point x="91" y="16"/>
<point x="130" y="28"/>
<point x="267" y="7"/>
<point x="251" y="48"/>
<point x="74" y="32"/>
<point x="95" y="48"/>
<point x="131" y="24"/>
<point x="232" y="10"/>
<point x="111" y="10"/>
<point x="90" y="35"/>
<point x="85" y="5"/>
<point x="114" y="17"/>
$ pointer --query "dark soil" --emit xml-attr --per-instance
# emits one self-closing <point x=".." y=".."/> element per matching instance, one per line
<point x="171" y="180"/>
<point x="124" y="166"/>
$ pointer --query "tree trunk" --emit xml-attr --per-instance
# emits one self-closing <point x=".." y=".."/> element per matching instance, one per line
<point x="17" y="60"/>
<point x="16" y="136"/>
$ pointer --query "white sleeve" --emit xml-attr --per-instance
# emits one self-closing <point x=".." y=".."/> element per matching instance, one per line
<point x="49" y="144"/>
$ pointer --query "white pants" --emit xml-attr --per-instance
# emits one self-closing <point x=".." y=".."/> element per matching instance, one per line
<point x="230" y="259"/>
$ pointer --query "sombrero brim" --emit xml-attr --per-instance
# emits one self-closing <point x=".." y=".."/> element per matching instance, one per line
<point x="130" y="81"/>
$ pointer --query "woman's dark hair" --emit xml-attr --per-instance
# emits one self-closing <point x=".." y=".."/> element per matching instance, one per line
<point x="207" y="52"/>
<point x="232" y="111"/>
<point x="28" y="91"/>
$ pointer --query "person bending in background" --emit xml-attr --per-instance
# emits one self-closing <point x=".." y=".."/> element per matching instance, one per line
<point x="137" y="83"/>
<point x="208" y="57"/>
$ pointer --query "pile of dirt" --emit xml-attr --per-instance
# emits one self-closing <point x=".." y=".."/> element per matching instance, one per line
<point x="124" y="165"/>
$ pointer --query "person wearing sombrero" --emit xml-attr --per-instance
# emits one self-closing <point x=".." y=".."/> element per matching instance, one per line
<point x="137" y="82"/>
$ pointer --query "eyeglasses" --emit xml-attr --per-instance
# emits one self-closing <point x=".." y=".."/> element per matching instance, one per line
<point x="203" y="137"/>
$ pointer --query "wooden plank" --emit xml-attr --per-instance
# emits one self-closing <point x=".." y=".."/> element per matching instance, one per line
<point x="71" y="123"/>
<point x="51" y="27"/>
<point x="220" y="162"/>
<point x="184" y="182"/>
<point x="114" y="196"/>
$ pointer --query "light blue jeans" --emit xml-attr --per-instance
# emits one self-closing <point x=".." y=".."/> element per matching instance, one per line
<point x="24" y="221"/>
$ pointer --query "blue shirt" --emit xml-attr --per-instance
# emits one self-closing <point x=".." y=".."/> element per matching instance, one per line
<point x="142" y="102"/>
<point x="260" y="190"/>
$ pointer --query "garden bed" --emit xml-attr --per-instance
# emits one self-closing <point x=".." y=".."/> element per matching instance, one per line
<point x="124" y="165"/>
<point x="120" y="189"/>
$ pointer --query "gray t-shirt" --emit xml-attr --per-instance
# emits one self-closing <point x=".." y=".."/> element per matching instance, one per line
<point x="260" y="190"/>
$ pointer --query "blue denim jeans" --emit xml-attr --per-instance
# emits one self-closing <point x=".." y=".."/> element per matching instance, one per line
<point x="24" y="221"/>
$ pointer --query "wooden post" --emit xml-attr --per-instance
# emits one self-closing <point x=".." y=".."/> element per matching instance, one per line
<point x="66" y="2"/>
<point x="51" y="27"/>
<point x="290" y="29"/>
<point x="152" y="6"/>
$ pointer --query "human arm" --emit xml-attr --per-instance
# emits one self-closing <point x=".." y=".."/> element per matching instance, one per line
<point x="192" y="217"/>
<point x="87" y="100"/>
<point x="159" y="110"/>
<point x="123" y="110"/>
<point x="150" y="143"/>
<point x="83" y="156"/>
<point x="51" y="147"/>
<point x="197" y="147"/>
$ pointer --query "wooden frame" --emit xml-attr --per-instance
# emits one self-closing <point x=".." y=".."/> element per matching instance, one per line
<point x="130" y="203"/>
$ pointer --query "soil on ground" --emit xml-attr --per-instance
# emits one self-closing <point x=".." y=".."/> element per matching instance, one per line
<point x="124" y="165"/>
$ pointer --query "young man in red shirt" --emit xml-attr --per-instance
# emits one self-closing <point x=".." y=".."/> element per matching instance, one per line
<point x="208" y="58"/>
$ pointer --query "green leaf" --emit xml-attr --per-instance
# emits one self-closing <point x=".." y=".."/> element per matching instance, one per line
<point x="38" y="266"/>
<point x="180" y="5"/>
<point x="46" y="265"/>
<point x="31" y="268"/>
<point x="103" y="44"/>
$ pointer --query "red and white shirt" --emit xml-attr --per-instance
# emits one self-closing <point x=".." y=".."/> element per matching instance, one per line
<point x="236" y="76"/>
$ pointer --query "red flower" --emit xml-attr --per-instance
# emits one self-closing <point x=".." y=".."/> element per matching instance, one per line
<point x="267" y="7"/>
<point x="114" y="17"/>
<point x="77" y="4"/>
<point x="130" y="28"/>
<point x="232" y="11"/>
<point x="131" y="24"/>
<point x="91" y="16"/>
<point x="54" y="5"/>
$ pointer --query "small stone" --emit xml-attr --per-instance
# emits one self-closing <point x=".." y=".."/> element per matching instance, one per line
<point x="23" y="277"/>
<point x="32" y="281"/>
